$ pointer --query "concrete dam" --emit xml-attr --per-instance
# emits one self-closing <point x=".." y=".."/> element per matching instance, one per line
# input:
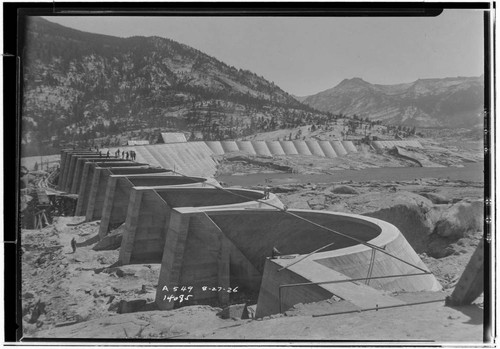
<point x="200" y="158"/>
<point x="119" y="187"/>
<point x="204" y="235"/>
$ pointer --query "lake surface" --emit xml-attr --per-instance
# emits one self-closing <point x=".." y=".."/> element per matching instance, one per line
<point x="470" y="172"/>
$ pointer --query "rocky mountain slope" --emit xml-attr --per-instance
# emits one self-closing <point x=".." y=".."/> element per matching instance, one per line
<point x="448" y="102"/>
<point x="78" y="86"/>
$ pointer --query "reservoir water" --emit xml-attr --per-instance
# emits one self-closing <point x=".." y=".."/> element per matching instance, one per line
<point x="470" y="172"/>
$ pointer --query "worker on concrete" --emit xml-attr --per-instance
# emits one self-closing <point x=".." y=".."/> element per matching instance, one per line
<point x="123" y="154"/>
<point x="126" y="156"/>
<point x="267" y="190"/>
<point x="100" y="154"/>
<point x="73" y="245"/>
<point x="107" y="154"/>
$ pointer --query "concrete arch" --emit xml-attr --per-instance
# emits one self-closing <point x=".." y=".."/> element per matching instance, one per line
<point x="315" y="149"/>
<point x="327" y="149"/>
<point x="289" y="148"/>
<point x="338" y="147"/>
<point x="261" y="148"/>
<point x="215" y="146"/>
<point x="246" y="146"/>
<point x="254" y="233"/>
<point x="229" y="146"/>
<point x="302" y="147"/>
<point x="275" y="148"/>
<point x="349" y="147"/>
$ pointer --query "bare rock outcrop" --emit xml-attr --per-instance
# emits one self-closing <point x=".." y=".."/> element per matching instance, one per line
<point x="409" y="212"/>
<point x="459" y="219"/>
<point x="344" y="189"/>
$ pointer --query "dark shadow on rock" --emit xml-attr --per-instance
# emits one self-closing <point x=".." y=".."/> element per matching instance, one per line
<point x="473" y="311"/>
<point x="109" y="242"/>
<point x="89" y="241"/>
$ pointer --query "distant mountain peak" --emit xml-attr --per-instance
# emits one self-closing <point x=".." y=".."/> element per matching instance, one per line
<point x="354" y="80"/>
<point x="429" y="102"/>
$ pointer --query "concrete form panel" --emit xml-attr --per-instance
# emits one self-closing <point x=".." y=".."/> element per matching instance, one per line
<point x="327" y="149"/>
<point x="275" y="148"/>
<point x="315" y="149"/>
<point x="261" y="148"/>
<point x="289" y="148"/>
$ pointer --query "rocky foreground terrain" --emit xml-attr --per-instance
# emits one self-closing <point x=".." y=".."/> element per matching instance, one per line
<point x="80" y="295"/>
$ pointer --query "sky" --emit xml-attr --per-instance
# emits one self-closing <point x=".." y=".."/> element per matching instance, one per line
<point x="306" y="55"/>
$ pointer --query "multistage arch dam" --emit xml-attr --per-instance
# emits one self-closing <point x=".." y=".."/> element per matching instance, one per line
<point x="219" y="237"/>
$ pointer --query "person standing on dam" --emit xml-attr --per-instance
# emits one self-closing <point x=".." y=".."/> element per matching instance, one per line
<point x="267" y="190"/>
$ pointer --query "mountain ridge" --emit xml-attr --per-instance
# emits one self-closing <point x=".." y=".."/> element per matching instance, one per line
<point x="431" y="102"/>
<point x="79" y="85"/>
